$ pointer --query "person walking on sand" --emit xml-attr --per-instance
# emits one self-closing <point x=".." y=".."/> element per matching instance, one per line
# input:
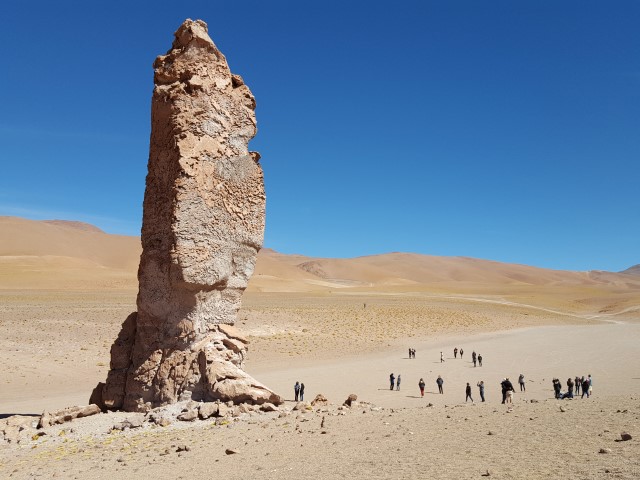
<point x="421" y="386"/>
<point x="570" y="387"/>
<point x="440" y="381"/>
<point x="577" y="383"/>
<point x="398" y="383"/>
<point x="302" y="392"/>
<point x="409" y="353"/>
<point x="503" y="386"/>
<point x="441" y="357"/>
<point x="468" y="397"/>
<point x="590" y="385"/>
<point x="479" y="359"/>
<point x="296" y="390"/>
<point x="521" y="382"/>
<point x="474" y="358"/>
<point x="461" y="352"/>
<point x="392" y="381"/>
<point x="481" y="388"/>
<point x="455" y="352"/>
<point x="585" y="387"/>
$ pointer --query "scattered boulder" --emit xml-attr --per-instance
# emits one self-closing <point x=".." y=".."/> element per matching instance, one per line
<point x="231" y="451"/>
<point x="208" y="409"/>
<point x="129" y="423"/>
<point x="223" y="410"/>
<point x="268" y="407"/>
<point x="320" y="400"/>
<point x="350" y="400"/>
<point x="625" y="437"/>
<point x="604" y="450"/>
<point x="188" y="416"/>
<point x="66" y="415"/>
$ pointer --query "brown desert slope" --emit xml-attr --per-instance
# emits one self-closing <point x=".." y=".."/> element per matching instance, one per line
<point x="52" y="254"/>
<point x="635" y="270"/>
<point x="64" y="254"/>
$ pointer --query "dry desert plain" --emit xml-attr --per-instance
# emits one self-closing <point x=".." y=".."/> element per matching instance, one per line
<point x="341" y="326"/>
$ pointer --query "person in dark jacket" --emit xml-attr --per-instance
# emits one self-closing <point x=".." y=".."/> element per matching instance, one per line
<point x="302" y="392"/>
<point x="421" y="386"/>
<point x="504" y="389"/>
<point x="479" y="359"/>
<point x="509" y="390"/>
<point x="474" y="358"/>
<point x="296" y="390"/>
<point x="578" y="384"/>
<point x="468" y="391"/>
<point x="570" y="387"/>
<point x="392" y="381"/>
<point x="440" y="381"/>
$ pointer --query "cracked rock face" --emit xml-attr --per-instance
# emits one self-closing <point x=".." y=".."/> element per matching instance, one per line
<point x="203" y="224"/>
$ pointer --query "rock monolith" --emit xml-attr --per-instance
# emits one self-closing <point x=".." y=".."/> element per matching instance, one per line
<point x="203" y="224"/>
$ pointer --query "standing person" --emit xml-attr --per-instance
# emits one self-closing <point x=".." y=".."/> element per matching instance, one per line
<point x="473" y="357"/>
<point x="302" y="392"/>
<point x="413" y="353"/>
<point x="479" y="359"/>
<point x="440" y="381"/>
<point x="392" y="381"/>
<point x="461" y="352"/>
<point x="468" y="391"/>
<point x="578" y="384"/>
<point x="398" y="383"/>
<point x="296" y="390"/>
<point x="441" y="357"/>
<point x="410" y="350"/>
<point x="570" y="387"/>
<point x="421" y="386"/>
<point x="503" y="386"/>
<point x="481" y="388"/>
<point x="455" y="352"/>
<point x="510" y="390"/>
<point x="585" y="387"/>
<point x="590" y="385"/>
<point x="521" y="382"/>
<point x="556" y="387"/>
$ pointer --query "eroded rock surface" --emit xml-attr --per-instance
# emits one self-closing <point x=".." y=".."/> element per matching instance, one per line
<point x="203" y="224"/>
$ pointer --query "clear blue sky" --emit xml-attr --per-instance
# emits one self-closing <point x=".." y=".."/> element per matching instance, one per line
<point x="493" y="129"/>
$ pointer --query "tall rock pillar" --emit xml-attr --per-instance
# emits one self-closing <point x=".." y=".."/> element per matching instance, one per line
<point x="203" y="224"/>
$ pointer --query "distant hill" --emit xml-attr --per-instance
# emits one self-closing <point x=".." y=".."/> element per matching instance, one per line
<point x="67" y="254"/>
<point x="635" y="270"/>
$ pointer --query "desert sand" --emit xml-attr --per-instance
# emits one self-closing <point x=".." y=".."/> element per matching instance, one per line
<point x="341" y="327"/>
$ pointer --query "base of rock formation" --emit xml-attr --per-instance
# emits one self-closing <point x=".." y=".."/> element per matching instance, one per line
<point x="208" y="371"/>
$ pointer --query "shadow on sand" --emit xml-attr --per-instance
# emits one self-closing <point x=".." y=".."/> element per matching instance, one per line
<point x="6" y="415"/>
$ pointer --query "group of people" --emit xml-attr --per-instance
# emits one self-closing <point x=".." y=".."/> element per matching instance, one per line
<point x="392" y="381"/>
<point x="584" y="383"/>
<point x="298" y="390"/>
<point x="412" y="353"/>
<point x="421" y="385"/>
<point x="476" y="358"/>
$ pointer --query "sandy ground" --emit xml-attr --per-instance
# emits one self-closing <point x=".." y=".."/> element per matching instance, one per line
<point x="403" y="434"/>
<point x="341" y="327"/>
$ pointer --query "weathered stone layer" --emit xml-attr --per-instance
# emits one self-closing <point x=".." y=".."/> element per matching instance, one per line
<point x="203" y="224"/>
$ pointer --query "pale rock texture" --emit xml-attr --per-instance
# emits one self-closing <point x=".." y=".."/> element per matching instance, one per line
<point x="203" y="224"/>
